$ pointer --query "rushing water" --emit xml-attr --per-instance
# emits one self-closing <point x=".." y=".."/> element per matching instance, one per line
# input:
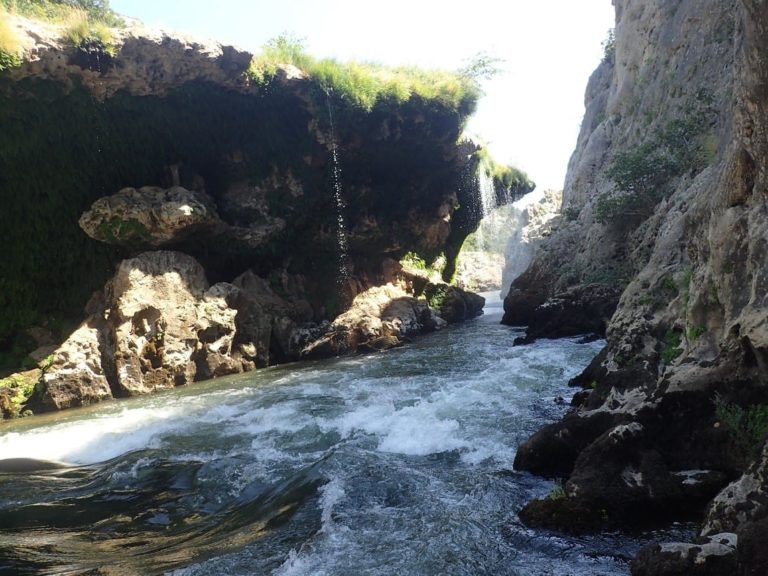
<point x="392" y="463"/>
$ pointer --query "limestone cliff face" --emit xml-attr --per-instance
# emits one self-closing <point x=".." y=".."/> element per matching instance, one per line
<point x="279" y="200"/>
<point x="687" y="344"/>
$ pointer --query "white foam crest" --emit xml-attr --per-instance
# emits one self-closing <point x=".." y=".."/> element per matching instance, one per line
<point x="415" y="430"/>
<point x="282" y="418"/>
<point x="332" y="493"/>
<point x="96" y="439"/>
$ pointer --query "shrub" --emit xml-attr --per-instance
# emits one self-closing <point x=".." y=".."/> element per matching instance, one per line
<point x="747" y="427"/>
<point x="609" y="46"/>
<point x="644" y="174"/>
<point x="672" y="348"/>
<point x="10" y="47"/>
<point x="84" y="32"/>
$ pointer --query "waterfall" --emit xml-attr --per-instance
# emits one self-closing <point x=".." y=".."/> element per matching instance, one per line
<point x="518" y="251"/>
<point x="338" y="201"/>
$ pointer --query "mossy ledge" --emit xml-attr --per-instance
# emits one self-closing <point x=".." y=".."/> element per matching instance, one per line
<point x="83" y="121"/>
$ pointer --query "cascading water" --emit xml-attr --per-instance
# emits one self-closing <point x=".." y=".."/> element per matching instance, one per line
<point x="338" y="200"/>
<point x="391" y="463"/>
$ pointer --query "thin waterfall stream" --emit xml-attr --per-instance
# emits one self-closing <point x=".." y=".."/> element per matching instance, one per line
<point x="338" y="200"/>
<point x="389" y="463"/>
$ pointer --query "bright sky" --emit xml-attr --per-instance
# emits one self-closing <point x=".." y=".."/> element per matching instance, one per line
<point x="531" y="113"/>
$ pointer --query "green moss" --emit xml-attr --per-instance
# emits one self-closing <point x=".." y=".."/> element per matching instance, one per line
<point x="672" y="348"/>
<point x="16" y="390"/>
<point x="693" y="333"/>
<point x="120" y="231"/>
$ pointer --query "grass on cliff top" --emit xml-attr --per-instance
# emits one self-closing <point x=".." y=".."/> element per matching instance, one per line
<point x="62" y="11"/>
<point x="87" y="23"/>
<point x="364" y="84"/>
<point x="10" y="46"/>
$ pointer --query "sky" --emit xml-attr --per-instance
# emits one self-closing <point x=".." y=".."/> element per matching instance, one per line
<point x="532" y="110"/>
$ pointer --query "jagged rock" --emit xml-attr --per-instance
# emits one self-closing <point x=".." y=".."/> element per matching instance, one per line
<point x="271" y="328"/>
<point x="149" y="216"/>
<point x="579" y="310"/>
<point x="379" y="318"/>
<point x="742" y="501"/>
<point x="689" y="329"/>
<point x="714" y="557"/>
<point x="77" y="375"/>
<point x="166" y="321"/>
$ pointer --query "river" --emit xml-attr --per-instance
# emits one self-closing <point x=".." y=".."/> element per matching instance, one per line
<point x="391" y="463"/>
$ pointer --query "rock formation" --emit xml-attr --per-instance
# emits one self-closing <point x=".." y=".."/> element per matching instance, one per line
<point x="280" y="207"/>
<point x="667" y="188"/>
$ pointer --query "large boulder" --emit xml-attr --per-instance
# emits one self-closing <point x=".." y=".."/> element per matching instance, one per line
<point x="165" y="320"/>
<point x="582" y="309"/>
<point x="379" y="318"/>
<point x="77" y="374"/>
<point x="158" y="324"/>
<point x="149" y="216"/>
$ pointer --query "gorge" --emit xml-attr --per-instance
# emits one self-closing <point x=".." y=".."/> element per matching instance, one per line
<point x="311" y="211"/>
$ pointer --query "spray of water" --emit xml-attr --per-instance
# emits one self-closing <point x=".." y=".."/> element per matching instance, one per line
<point x="338" y="200"/>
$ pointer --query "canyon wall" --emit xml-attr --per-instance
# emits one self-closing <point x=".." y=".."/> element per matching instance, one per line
<point x="666" y="196"/>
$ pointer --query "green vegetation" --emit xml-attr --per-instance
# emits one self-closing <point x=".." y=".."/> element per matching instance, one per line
<point x="747" y="427"/>
<point x="672" y="348"/>
<point x="10" y="47"/>
<point x="644" y="174"/>
<point x="62" y="11"/>
<point x="84" y="32"/>
<point x="365" y="84"/>
<point x="558" y="491"/>
<point x="693" y="333"/>
<point x="571" y="212"/>
<point x="609" y="46"/>
<point x="415" y="264"/>
<point x="507" y="180"/>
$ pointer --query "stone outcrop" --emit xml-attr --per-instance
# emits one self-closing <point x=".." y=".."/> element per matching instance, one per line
<point x="159" y="324"/>
<point x="684" y="370"/>
<point x="149" y="217"/>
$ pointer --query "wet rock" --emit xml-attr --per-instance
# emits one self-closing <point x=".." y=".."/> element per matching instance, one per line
<point x="149" y="216"/>
<point x="716" y="556"/>
<point x="379" y="318"/>
<point x="579" y="310"/>
<point x="563" y="514"/>
<point x="453" y="304"/>
<point x="553" y="450"/>
<point x="753" y="548"/>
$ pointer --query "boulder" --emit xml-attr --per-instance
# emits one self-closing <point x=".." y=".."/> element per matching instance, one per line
<point x="715" y="556"/>
<point x="149" y="216"/>
<point x="583" y="309"/>
<point x="453" y="304"/>
<point x="77" y="374"/>
<point x="379" y="318"/>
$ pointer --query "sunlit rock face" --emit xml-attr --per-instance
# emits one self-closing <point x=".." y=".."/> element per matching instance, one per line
<point x="686" y="347"/>
<point x="149" y="216"/>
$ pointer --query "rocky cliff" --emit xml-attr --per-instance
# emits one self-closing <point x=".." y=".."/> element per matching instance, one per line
<point x="244" y="204"/>
<point x="666" y="196"/>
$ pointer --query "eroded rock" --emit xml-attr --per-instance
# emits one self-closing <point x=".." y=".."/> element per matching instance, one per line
<point x="149" y="216"/>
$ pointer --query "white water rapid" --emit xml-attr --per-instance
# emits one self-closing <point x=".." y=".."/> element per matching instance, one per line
<point x="390" y="463"/>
